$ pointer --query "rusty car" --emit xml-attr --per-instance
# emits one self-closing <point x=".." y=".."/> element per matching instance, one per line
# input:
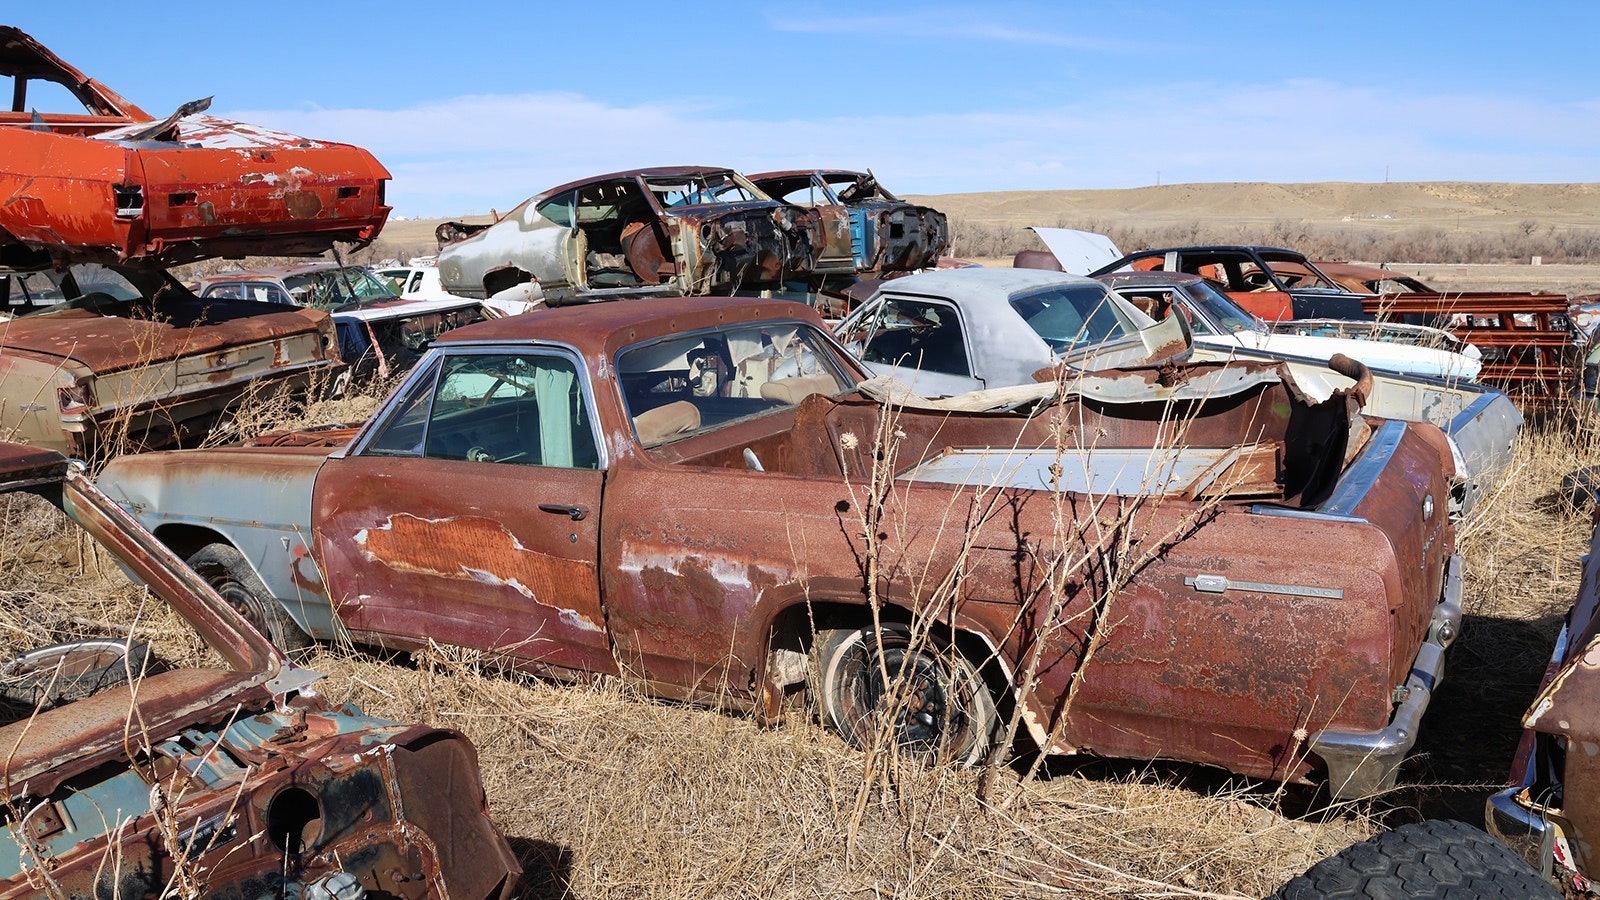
<point x="960" y="330"/>
<point x="228" y="779"/>
<point x="680" y="492"/>
<point x="1247" y="274"/>
<point x="85" y="175"/>
<point x="98" y="358"/>
<point x="868" y="232"/>
<point x="652" y="232"/>
<point x="1550" y="813"/>
<point x="1531" y="344"/>
<point x="379" y="333"/>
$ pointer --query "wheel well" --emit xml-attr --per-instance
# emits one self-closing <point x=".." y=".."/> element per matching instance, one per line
<point x="497" y="280"/>
<point x="186" y="540"/>
<point x="792" y="629"/>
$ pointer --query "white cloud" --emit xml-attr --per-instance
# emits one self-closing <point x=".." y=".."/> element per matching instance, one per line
<point x="475" y="152"/>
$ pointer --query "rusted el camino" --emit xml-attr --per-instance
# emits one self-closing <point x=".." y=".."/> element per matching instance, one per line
<point x="650" y="232"/>
<point x="87" y="175"/>
<point x="228" y="782"/>
<point x="103" y="358"/>
<point x="680" y="492"/>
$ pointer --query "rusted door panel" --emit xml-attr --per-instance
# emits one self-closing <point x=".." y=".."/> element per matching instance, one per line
<point x="1271" y="306"/>
<point x="464" y="554"/>
<point x="836" y="252"/>
<point x="72" y="207"/>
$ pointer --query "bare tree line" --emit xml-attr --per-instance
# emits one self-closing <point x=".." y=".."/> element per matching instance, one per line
<point x="1556" y="244"/>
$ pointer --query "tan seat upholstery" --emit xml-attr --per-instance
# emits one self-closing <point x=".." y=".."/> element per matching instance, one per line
<point x="655" y="426"/>
<point x="793" y="390"/>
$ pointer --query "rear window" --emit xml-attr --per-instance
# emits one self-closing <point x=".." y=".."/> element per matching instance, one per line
<point x="687" y="384"/>
<point x="1070" y="316"/>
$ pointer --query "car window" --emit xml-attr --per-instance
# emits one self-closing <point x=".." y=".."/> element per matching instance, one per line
<point x="523" y="409"/>
<point x="558" y="209"/>
<point x="33" y="289"/>
<point x="918" y="334"/>
<point x="329" y="288"/>
<point x="699" y="190"/>
<point x="93" y="278"/>
<point x="688" y="384"/>
<point x="48" y="97"/>
<point x="1071" y="315"/>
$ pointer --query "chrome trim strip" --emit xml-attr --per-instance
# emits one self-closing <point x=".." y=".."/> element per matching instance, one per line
<point x="1364" y="472"/>
<point x="1284" y="512"/>
<point x="1218" y="584"/>
<point x="1361" y="763"/>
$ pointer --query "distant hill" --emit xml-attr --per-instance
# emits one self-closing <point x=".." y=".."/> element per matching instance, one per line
<point x="1398" y="205"/>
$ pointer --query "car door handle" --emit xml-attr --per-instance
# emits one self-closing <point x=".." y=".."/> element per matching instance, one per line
<point x="572" y="512"/>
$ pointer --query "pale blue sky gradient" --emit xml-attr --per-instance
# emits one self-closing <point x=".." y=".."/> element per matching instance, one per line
<point x="480" y="105"/>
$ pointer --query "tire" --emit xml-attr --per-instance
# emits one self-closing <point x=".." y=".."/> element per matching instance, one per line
<point x="1433" y="859"/>
<point x="61" y="673"/>
<point x="948" y="715"/>
<point x="226" y="570"/>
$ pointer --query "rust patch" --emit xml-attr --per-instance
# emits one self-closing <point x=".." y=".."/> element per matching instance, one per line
<point x="477" y="549"/>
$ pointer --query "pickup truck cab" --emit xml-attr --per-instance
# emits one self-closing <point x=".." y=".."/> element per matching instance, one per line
<point x="693" y="494"/>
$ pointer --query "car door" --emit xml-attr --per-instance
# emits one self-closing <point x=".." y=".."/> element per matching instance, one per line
<point x="470" y="514"/>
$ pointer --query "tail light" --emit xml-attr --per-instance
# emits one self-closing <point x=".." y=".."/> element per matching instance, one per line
<point x="74" y="399"/>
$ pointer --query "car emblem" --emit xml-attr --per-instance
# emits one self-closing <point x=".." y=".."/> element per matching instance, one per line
<point x="1427" y="507"/>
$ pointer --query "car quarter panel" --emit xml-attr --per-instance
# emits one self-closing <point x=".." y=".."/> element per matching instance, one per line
<point x="258" y="500"/>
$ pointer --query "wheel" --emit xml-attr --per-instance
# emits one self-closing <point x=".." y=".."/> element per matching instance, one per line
<point x="1432" y="859"/>
<point x="947" y="713"/>
<point x="225" y="569"/>
<point x="62" y="673"/>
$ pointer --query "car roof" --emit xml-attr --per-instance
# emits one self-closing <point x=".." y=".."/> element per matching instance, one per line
<point x="979" y="286"/>
<point x="655" y="172"/>
<point x="603" y="328"/>
<point x="795" y="173"/>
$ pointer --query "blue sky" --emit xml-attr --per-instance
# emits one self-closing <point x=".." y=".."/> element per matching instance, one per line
<point x="480" y="105"/>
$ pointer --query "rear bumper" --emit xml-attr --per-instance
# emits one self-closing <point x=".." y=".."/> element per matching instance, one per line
<point x="1361" y="763"/>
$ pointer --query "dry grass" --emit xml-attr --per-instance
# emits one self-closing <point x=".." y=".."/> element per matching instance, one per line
<point x="607" y="794"/>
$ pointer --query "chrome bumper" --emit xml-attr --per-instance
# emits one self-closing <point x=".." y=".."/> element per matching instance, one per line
<point x="1532" y="836"/>
<point x="1362" y="763"/>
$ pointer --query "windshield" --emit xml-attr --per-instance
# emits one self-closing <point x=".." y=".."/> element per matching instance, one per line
<point x="1066" y="316"/>
<point x="335" y="287"/>
<point x="702" y="189"/>
<point x="1218" y="309"/>
<point x="687" y="384"/>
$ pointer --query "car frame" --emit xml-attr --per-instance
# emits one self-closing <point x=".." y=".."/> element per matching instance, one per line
<point x="869" y="232"/>
<point x="228" y="781"/>
<point x="98" y="357"/>
<point x="111" y="183"/>
<point x="662" y="231"/>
